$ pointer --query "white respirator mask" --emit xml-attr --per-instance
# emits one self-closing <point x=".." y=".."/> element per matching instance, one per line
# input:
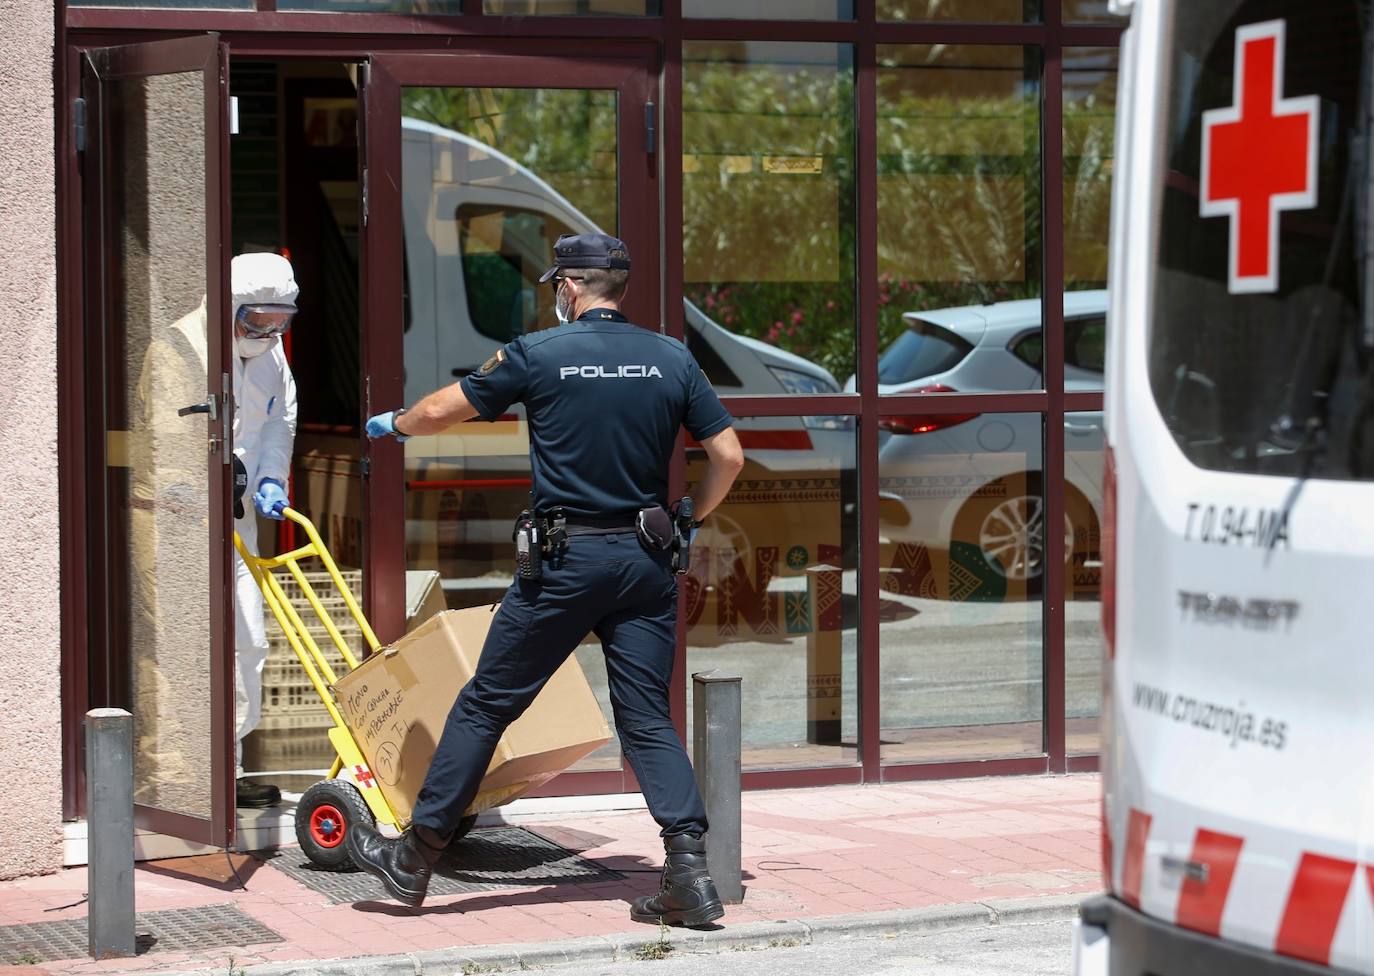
<point x="251" y="348"/>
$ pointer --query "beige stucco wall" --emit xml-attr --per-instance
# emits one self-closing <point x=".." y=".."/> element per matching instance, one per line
<point x="30" y="643"/>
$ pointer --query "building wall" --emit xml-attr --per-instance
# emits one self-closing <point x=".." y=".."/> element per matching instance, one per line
<point x="30" y="637"/>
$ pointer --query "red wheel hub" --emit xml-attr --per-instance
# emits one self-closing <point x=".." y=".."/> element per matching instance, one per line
<point x="327" y="825"/>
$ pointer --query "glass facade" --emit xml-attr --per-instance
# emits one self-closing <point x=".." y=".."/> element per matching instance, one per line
<point x="960" y="248"/>
<point x="867" y="220"/>
<point x="1004" y="11"/>
<point x="962" y="554"/>
<point x="571" y="8"/>
<point x="768" y="208"/>
<point x="772" y="594"/>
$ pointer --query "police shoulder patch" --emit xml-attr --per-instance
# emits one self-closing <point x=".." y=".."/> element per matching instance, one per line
<point x="497" y="359"/>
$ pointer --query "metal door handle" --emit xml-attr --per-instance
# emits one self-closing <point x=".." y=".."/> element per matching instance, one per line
<point x="208" y="405"/>
<point x="1082" y="428"/>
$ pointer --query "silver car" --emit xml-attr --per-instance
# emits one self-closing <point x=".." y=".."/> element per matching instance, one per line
<point x="972" y="485"/>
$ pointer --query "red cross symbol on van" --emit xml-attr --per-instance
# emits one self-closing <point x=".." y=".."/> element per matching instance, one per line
<point x="1259" y="157"/>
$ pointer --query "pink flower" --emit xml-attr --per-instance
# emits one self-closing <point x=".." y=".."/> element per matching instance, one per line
<point x="830" y="305"/>
<point x="797" y="317"/>
<point x="710" y="301"/>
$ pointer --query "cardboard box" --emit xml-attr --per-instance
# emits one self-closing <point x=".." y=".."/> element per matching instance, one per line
<point x="424" y="597"/>
<point x="397" y="701"/>
<point x="327" y="489"/>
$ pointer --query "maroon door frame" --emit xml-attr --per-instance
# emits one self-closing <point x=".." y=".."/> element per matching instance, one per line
<point x="297" y="35"/>
<point x="633" y="78"/>
<point x="108" y="661"/>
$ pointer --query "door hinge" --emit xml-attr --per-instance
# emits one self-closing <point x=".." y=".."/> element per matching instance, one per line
<point x="364" y="196"/>
<point x="650" y="129"/>
<point x="79" y="123"/>
<point x="367" y="467"/>
<point x="233" y="115"/>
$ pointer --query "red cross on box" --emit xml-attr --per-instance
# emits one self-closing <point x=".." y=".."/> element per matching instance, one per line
<point x="363" y="777"/>
<point x="1259" y="157"/>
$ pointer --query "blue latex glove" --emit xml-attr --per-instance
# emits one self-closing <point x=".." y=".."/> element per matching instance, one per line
<point x="383" y="424"/>
<point x="270" y="499"/>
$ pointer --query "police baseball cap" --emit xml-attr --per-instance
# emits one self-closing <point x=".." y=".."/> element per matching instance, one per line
<point x="588" y="251"/>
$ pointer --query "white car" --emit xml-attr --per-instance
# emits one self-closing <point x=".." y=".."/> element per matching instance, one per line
<point x="973" y="484"/>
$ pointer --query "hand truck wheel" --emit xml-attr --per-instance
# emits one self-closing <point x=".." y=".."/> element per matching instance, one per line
<point x="326" y="813"/>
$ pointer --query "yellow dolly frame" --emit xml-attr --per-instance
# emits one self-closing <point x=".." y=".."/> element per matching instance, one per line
<point x="329" y="807"/>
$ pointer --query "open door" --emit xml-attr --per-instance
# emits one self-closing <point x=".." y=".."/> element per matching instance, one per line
<point x="154" y="172"/>
<point x="471" y="176"/>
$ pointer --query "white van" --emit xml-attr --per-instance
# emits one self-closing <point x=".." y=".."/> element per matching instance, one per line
<point x="479" y="231"/>
<point x="1238" y="804"/>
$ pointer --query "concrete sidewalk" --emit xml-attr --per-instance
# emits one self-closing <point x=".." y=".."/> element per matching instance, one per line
<point x="818" y="863"/>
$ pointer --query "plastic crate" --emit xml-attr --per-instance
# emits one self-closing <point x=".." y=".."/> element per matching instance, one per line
<point x="289" y="700"/>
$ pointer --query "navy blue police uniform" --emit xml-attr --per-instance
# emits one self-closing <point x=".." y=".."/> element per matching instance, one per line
<point x="605" y="400"/>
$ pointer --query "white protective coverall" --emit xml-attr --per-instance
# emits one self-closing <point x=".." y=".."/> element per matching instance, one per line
<point x="264" y="433"/>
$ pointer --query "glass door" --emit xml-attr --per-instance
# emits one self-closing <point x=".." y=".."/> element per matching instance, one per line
<point x="155" y="216"/>
<point x="476" y="165"/>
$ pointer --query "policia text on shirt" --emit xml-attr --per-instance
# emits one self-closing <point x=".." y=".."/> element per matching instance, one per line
<point x="605" y="400"/>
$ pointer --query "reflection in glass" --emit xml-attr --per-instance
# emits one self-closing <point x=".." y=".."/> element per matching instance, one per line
<point x="375" y="6"/>
<point x="1083" y="444"/>
<point x="491" y="178"/>
<point x="569" y="8"/>
<point x="1090" y="12"/>
<point x="168" y="4"/>
<point x="959" y="216"/>
<point x="1089" y="157"/>
<point x="772" y="594"/>
<point x="961" y="544"/>
<point x="768" y="211"/>
<point x="770" y="9"/>
<point x="157" y="463"/>
<point x="1004" y="11"/>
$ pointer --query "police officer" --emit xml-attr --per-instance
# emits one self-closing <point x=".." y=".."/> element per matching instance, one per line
<point x="605" y="400"/>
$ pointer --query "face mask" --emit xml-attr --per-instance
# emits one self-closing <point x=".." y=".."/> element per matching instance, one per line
<point x="249" y="348"/>
<point x="562" y="304"/>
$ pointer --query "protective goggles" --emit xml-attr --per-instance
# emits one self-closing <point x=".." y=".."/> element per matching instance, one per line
<point x="265" y="321"/>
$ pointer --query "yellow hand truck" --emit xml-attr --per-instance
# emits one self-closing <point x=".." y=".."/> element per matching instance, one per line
<point x="330" y="807"/>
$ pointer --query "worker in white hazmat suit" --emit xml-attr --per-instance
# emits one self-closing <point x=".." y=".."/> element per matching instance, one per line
<point x="264" y="294"/>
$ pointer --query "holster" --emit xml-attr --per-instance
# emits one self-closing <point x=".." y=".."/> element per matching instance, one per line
<point x="684" y="531"/>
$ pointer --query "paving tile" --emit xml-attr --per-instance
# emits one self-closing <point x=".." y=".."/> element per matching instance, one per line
<point x="809" y="853"/>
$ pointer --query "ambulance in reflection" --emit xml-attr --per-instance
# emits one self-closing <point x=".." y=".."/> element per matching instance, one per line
<point x="1238" y="795"/>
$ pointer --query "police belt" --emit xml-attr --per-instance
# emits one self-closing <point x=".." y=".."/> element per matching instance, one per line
<point x="577" y="526"/>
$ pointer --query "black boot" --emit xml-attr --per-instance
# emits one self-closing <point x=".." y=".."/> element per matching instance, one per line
<point x="687" y="895"/>
<point x="404" y="865"/>
<point x="248" y="793"/>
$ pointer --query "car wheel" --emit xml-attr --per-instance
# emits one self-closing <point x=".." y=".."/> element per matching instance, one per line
<point x="1003" y="526"/>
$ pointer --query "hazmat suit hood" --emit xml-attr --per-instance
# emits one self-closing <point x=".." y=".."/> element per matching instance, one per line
<point x="262" y="279"/>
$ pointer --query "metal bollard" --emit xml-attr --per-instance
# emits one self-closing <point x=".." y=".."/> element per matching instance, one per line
<point x="110" y="831"/>
<point x="716" y="716"/>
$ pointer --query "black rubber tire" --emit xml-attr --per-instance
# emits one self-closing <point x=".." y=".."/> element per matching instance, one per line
<point x="464" y="825"/>
<point x="348" y="802"/>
